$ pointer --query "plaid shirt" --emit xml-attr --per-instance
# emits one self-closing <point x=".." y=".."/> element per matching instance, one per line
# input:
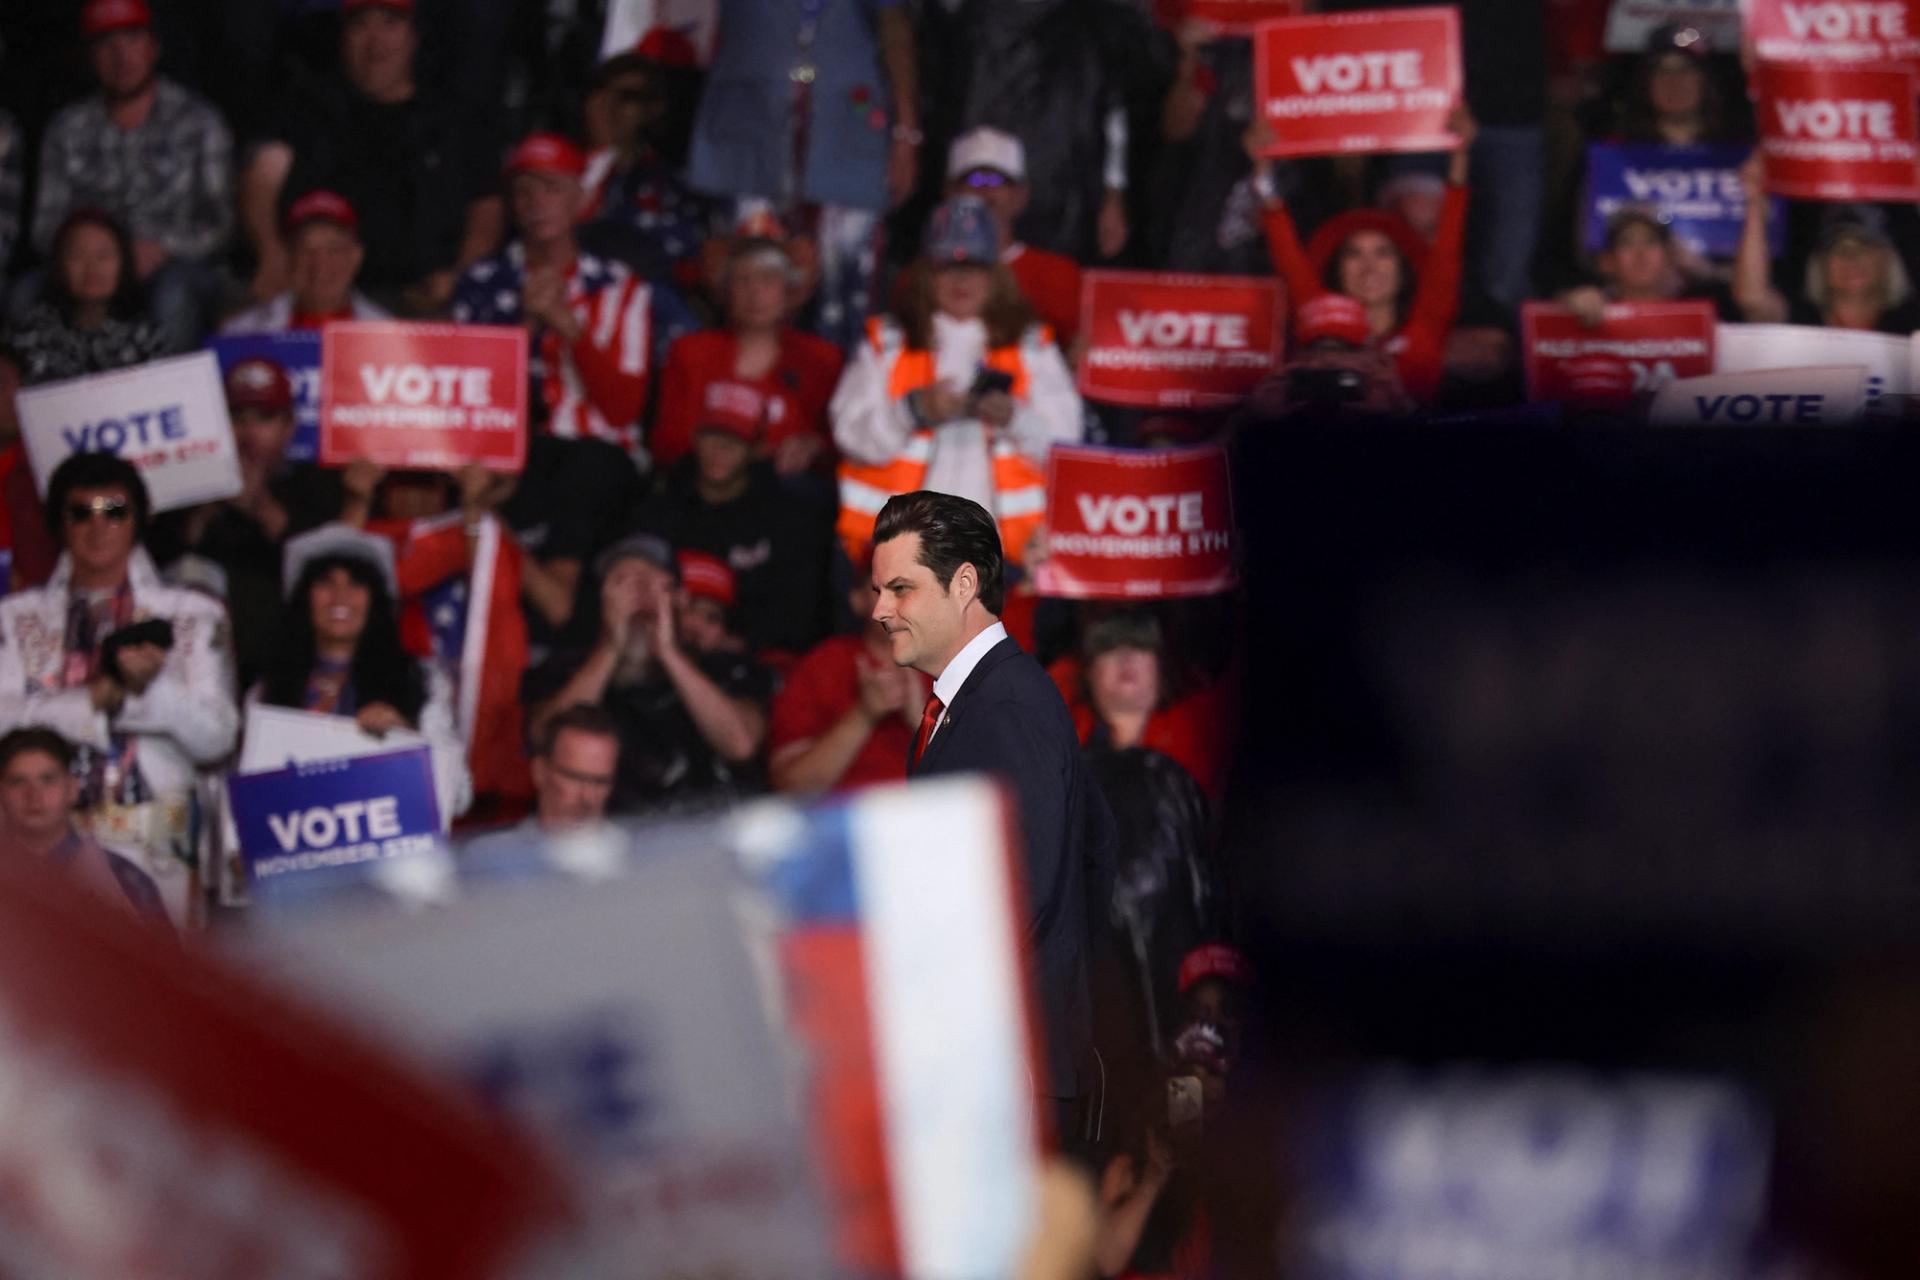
<point x="12" y="146"/>
<point x="170" y="180"/>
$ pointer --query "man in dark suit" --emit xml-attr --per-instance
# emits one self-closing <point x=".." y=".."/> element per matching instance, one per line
<point x="939" y="585"/>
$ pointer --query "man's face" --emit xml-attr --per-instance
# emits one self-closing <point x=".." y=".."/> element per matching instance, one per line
<point x="98" y="524"/>
<point x="1006" y="199"/>
<point x="572" y="783"/>
<point x="123" y="61"/>
<point x="636" y="102"/>
<point x="36" y="796"/>
<point x="757" y="293"/>
<point x="645" y="583"/>
<point x="720" y="456"/>
<point x="1124" y="681"/>
<point x="923" y="620"/>
<point x="376" y="51"/>
<point x="261" y="436"/>
<point x="544" y="205"/>
<point x="326" y="258"/>
<point x="703" y="624"/>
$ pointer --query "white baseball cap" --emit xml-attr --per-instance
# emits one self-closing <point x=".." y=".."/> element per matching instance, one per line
<point x="987" y="148"/>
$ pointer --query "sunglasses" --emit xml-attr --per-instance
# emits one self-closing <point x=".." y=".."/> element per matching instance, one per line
<point x="987" y="179"/>
<point x="114" y="509"/>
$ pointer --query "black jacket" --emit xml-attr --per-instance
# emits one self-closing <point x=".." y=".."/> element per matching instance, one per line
<point x="1008" y="720"/>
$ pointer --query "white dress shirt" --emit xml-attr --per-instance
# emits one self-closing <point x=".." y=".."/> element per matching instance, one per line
<point x="947" y="687"/>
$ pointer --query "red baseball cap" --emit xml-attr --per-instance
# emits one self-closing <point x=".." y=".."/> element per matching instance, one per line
<point x="398" y="6"/>
<point x="322" y="206"/>
<point x="259" y="383"/>
<point x="547" y="153"/>
<point x="735" y="408"/>
<point x="100" y="17"/>
<point x="706" y="575"/>
<point x="1214" y="960"/>
<point x="666" y="47"/>
<point x="1334" y="316"/>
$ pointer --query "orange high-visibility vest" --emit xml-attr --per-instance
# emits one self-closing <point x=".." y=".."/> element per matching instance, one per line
<point x="1019" y="485"/>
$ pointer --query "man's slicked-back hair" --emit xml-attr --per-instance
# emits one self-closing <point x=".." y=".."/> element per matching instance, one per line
<point x="953" y="531"/>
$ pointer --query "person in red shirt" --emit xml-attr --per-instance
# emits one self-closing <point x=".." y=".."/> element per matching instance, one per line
<point x="760" y="284"/>
<point x="1411" y="289"/>
<point x="847" y="715"/>
<point x="991" y="164"/>
<point x="323" y="247"/>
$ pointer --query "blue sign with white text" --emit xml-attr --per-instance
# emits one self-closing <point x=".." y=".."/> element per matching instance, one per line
<point x="329" y="822"/>
<point x="298" y="352"/>
<point x="1696" y="188"/>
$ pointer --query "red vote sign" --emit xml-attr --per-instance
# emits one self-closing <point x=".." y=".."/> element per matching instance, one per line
<point x="1838" y="132"/>
<point x="1378" y="80"/>
<point x="1657" y="341"/>
<point x="423" y="395"/>
<point x="1132" y="524"/>
<point x="1178" y="341"/>
<point x="1835" y="30"/>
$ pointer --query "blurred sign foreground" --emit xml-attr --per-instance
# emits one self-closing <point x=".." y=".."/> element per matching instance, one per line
<point x="785" y="1042"/>
<point x="162" y="1117"/>
<point x="1474" y="1173"/>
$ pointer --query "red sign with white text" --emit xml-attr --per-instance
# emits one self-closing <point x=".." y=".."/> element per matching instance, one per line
<point x="1236" y="17"/>
<point x="1131" y="524"/>
<point x="1839" y="132"/>
<point x="1657" y="341"/>
<point x="423" y="395"/>
<point x="1835" y="30"/>
<point x="1378" y="80"/>
<point x="1178" y="341"/>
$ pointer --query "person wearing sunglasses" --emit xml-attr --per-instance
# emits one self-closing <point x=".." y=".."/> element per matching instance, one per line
<point x="138" y="675"/>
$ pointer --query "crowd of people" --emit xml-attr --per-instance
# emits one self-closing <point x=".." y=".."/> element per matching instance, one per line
<point x="774" y="270"/>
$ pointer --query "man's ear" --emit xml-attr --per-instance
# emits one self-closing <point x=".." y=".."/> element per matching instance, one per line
<point x="966" y="578"/>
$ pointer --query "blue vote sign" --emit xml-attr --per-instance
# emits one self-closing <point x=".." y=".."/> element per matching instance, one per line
<point x="332" y="821"/>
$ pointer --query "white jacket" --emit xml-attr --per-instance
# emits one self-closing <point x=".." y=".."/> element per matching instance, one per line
<point x="275" y="315"/>
<point x="184" y="721"/>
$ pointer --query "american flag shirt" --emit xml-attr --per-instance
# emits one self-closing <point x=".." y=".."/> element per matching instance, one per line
<point x="597" y="384"/>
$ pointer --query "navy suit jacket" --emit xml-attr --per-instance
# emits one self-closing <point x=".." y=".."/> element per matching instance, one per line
<point x="1008" y="720"/>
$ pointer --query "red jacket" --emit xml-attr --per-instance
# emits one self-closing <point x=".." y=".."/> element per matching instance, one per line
<point x="1419" y="346"/>
<point x="1197" y="731"/>
<point x="797" y="388"/>
<point x="1051" y="283"/>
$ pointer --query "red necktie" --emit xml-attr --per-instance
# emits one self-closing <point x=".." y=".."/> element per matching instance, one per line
<point x="928" y="718"/>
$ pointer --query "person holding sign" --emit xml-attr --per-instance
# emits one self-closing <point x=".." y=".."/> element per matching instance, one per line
<point x="342" y="654"/>
<point x="961" y="394"/>
<point x="243" y="535"/>
<point x="1411" y="290"/>
<point x="1640" y="263"/>
<point x="137" y="674"/>
<point x="595" y="326"/>
<point x="1855" y="278"/>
